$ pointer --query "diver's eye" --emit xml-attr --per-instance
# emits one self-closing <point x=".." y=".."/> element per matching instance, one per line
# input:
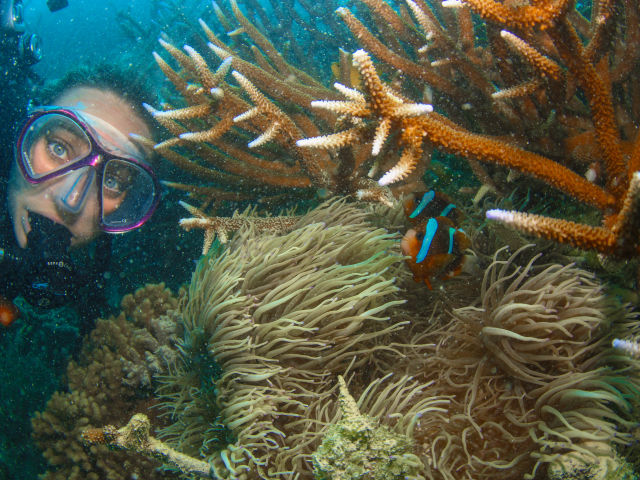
<point x="118" y="177"/>
<point x="111" y="183"/>
<point x="113" y="186"/>
<point x="420" y="236"/>
<point x="116" y="182"/>
<point x="58" y="151"/>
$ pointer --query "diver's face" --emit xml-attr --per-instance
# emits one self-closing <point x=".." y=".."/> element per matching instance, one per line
<point x="113" y="120"/>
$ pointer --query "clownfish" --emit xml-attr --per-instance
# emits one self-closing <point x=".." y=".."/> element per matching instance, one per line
<point x="436" y="248"/>
<point x="8" y="312"/>
<point x="420" y="207"/>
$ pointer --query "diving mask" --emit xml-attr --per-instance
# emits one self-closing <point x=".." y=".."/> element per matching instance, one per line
<point x="56" y="142"/>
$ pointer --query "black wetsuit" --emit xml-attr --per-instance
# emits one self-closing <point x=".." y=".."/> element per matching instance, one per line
<point x="45" y="273"/>
<point x="49" y="274"/>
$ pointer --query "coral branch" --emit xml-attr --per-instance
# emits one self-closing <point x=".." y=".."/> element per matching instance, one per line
<point x="537" y="97"/>
<point x="542" y="15"/>
<point x="563" y="231"/>
<point x="135" y="437"/>
<point x="222" y="226"/>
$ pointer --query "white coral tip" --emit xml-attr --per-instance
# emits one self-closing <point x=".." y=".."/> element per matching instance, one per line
<point x="217" y="93"/>
<point x="630" y="347"/>
<point x="390" y="177"/>
<point x="149" y="108"/>
<point x="309" y="142"/>
<point x="500" y="215"/>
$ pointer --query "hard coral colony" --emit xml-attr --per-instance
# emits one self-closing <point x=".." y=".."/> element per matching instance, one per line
<point x="530" y="88"/>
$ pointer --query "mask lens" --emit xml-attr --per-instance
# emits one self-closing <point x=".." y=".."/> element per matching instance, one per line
<point x="51" y="143"/>
<point x="128" y="194"/>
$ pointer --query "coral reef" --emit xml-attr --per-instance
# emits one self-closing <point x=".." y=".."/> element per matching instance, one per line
<point x="508" y="386"/>
<point x="546" y="75"/>
<point x="539" y="89"/>
<point x="135" y="437"/>
<point x="379" y="107"/>
<point x="531" y="372"/>
<point x="235" y="151"/>
<point x="113" y="377"/>
<point x="221" y="227"/>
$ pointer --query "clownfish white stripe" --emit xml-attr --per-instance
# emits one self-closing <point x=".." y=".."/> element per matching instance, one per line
<point x="447" y="209"/>
<point x="430" y="232"/>
<point x="426" y="199"/>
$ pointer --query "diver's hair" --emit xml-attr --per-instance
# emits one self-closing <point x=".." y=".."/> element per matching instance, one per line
<point x="125" y="82"/>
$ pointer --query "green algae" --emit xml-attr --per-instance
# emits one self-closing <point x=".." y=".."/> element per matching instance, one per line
<point x="359" y="447"/>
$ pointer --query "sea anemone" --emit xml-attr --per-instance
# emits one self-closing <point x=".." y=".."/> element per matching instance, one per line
<point x="269" y="324"/>
<point x="530" y="374"/>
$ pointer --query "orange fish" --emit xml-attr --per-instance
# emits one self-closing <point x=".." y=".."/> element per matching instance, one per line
<point x="8" y="312"/>
<point x="420" y="207"/>
<point x="436" y="249"/>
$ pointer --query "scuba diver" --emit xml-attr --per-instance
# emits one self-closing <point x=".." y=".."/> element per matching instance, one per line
<point x="76" y="174"/>
<point x="20" y="49"/>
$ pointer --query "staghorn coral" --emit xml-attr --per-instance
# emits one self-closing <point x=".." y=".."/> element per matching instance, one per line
<point x="618" y="235"/>
<point x="530" y="375"/>
<point x="221" y="227"/>
<point x="556" y="73"/>
<point x="629" y="346"/>
<point x="292" y="26"/>
<point x="536" y="88"/>
<point x="135" y="436"/>
<point x="235" y="147"/>
<point x="269" y="323"/>
<point x="113" y="377"/>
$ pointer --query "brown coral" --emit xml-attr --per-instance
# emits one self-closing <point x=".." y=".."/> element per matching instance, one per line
<point x="113" y="378"/>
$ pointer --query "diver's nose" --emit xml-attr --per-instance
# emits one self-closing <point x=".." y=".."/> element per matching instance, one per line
<point x="74" y="189"/>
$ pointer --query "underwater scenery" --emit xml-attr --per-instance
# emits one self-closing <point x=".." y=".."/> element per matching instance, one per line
<point x="330" y="239"/>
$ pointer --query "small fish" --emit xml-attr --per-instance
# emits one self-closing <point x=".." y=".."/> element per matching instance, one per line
<point x="436" y="248"/>
<point x="8" y="312"/>
<point x="421" y="206"/>
<point x="354" y="75"/>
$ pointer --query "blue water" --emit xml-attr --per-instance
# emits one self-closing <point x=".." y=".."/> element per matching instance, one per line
<point x="88" y="29"/>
